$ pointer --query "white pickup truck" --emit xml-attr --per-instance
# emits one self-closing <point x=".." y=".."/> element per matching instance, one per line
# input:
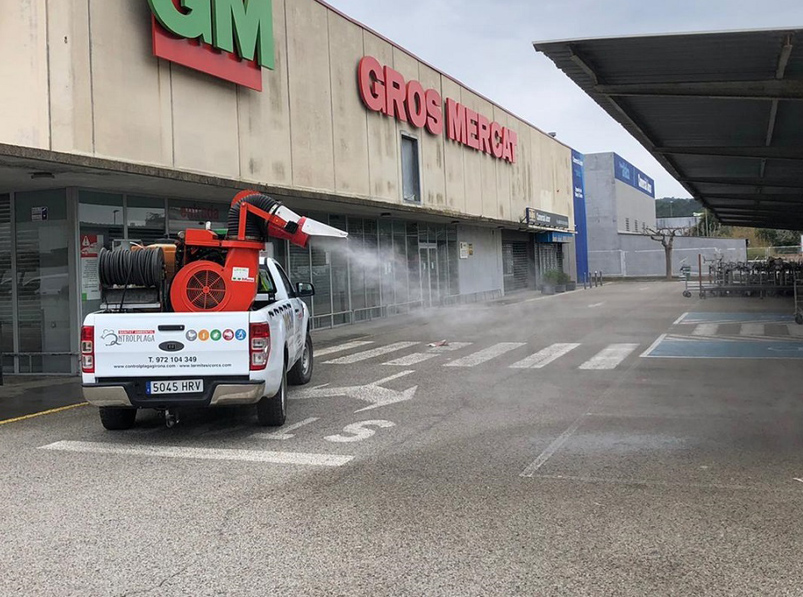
<point x="164" y="361"/>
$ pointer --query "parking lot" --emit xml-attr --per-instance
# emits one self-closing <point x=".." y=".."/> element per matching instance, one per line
<point x="616" y="441"/>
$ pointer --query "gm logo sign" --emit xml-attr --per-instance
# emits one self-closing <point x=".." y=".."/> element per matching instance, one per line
<point x="228" y="39"/>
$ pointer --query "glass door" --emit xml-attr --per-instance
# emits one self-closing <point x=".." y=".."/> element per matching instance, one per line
<point x="429" y="274"/>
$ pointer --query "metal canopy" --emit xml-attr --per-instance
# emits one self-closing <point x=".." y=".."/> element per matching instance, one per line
<point x="722" y="112"/>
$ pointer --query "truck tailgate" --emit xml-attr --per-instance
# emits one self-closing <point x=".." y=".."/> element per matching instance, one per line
<point x="171" y="344"/>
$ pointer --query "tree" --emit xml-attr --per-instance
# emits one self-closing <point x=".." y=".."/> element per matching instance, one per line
<point x="779" y="238"/>
<point x="666" y="236"/>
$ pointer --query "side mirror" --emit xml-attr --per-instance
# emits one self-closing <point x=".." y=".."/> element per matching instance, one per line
<point x="305" y="289"/>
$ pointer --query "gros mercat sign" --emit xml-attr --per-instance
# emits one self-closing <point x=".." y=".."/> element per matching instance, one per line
<point x="228" y="39"/>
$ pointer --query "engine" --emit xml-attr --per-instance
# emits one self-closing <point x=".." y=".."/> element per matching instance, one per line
<point x="206" y="270"/>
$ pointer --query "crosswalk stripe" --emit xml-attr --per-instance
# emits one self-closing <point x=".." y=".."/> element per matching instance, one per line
<point x="706" y="329"/>
<point x="609" y="358"/>
<point x="342" y="347"/>
<point x="370" y="354"/>
<point x="485" y="355"/>
<point x="411" y="359"/>
<point x="545" y="357"/>
<point x="752" y="329"/>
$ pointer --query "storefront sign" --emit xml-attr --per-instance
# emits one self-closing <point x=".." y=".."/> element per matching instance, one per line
<point x="384" y="90"/>
<point x="90" y="278"/>
<point x="228" y="39"/>
<point x="630" y="175"/>
<point x="39" y="214"/>
<point x="543" y="219"/>
<point x="463" y="250"/>
<point x="553" y="237"/>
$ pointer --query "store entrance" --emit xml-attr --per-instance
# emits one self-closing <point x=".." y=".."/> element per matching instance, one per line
<point x="430" y="287"/>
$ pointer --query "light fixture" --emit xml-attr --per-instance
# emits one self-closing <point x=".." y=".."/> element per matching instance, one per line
<point x="385" y="214"/>
<point x="553" y="135"/>
<point x="41" y="175"/>
<point x="455" y="221"/>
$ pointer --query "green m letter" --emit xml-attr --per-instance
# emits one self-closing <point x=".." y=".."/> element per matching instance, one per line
<point x="195" y="23"/>
<point x="251" y="22"/>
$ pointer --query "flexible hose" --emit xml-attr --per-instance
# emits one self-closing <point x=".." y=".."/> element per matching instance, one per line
<point x="135" y="268"/>
<point x="255" y="227"/>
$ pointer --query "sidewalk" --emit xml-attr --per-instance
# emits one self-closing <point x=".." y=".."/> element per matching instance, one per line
<point x="26" y="395"/>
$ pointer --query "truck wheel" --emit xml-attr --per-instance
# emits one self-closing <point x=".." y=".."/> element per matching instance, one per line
<point x="301" y="373"/>
<point x="117" y="419"/>
<point x="272" y="411"/>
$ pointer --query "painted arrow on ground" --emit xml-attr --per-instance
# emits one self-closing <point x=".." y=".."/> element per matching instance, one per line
<point x="373" y="393"/>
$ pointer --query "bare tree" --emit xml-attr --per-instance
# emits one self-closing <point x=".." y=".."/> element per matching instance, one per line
<point x="666" y="236"/>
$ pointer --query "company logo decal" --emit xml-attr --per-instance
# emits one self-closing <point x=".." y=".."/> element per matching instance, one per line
<point x="228" y="335"/>
<point x="121" y="337"/>
<point x="215" y="335"/>
<point x="203" y="335"/>
<point x="241" y="335"/>
<point x="228" y="39"/>
<point x="192" y="336"/>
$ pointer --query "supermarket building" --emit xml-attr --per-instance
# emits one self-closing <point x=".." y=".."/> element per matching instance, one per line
<point x="135" y="119"/>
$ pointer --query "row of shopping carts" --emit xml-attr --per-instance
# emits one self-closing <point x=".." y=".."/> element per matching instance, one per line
<point x="760" y="278"/>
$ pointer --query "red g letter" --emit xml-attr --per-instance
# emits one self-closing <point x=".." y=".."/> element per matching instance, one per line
<point x="372" y="84"/>
<point x="396" y="94"/>
<point x="416" y="104"/>
<point x="434" y="112"/>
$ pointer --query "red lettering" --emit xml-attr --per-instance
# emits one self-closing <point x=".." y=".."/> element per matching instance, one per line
<point x="416" y="104"/>
<point x="434" y="112"/>
<point x="372" y="84"/>
<point x="396" y="92"/>
<point x="485" y="134"/>
<point x="507" y="154"/>
<point x="456" y="128"/>
<point x="472" y="124"/>
<point x="497" y="149"/>
<point x="514" y="140"/>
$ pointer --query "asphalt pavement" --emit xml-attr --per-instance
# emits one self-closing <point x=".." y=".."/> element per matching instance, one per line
<point x="616" y="441"/>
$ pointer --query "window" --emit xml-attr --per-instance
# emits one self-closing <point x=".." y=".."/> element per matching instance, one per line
<point x="146" y="219"/>
<point x="636" y="228"/>
<point x="627" y="224"/>
<point x="290" y="291"/>
<point x="411" y="176"/>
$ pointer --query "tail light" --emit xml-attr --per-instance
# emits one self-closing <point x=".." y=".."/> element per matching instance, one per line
<point x="259" y="345"/>
<point x="88" y="349"/>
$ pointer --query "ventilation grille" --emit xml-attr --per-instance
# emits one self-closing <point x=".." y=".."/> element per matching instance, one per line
<point x="206" y="289"/>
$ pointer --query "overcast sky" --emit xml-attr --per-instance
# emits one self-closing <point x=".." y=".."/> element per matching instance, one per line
<point x="487" y="44"/>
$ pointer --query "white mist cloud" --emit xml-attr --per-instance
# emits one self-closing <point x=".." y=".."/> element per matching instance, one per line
<point x="487" y="44"/>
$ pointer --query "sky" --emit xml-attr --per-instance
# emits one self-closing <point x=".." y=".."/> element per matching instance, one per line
<point x="487" y="45"/>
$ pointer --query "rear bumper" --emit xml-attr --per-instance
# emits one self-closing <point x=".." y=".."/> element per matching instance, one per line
<point x="129" y="394"/>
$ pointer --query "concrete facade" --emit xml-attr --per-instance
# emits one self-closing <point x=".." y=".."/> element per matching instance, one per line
<point x="93" y="87"/>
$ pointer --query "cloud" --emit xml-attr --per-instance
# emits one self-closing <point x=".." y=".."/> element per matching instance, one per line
<point x="487" y="44"/>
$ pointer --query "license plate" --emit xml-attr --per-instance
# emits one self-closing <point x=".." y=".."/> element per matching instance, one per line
<point x="185" y="386"/>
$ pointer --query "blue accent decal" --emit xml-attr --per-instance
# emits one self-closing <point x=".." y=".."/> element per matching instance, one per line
<point x="580" y="219"/>
<point x="627" y="173"/>
<point x="241" y="334"/>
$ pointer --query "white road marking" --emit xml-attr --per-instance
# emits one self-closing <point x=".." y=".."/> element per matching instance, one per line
<point x="645" y="288"/>
<point x="654" y="345"/>
<point x="201" y="453"/>
<point x="370" y="354"/>
<point x="544" y="357"/>
<point x="795" y="330"/>
<point x="796" y="479"/>
<point x="553" y="447"/>
<point x="372" y="393"/>
<point x="706" y="329"/>
<point x="752" y="329"/>
<point x="609" y="358"/>
<point x="487" y="354"/>
<point x="680" y="319"/>
<point x="411" y="359"/>
<point x="342" y="347"/>
<point x="595" y="305"/>
<point x="359" y="431"/>
<point x="283" y="433"/>
<point x="646" y="483"/>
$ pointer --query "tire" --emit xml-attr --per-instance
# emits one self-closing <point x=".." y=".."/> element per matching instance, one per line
<point x="799" y="318"/>
<point x="301" y="373"/>
<point x="117" y="419"/>
<point x="687" y="294"/>
<point x="272" y="410"/>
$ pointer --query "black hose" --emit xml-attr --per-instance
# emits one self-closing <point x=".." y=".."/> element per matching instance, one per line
<point x="255" y="227"/>
<point x="135" y="268"/>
